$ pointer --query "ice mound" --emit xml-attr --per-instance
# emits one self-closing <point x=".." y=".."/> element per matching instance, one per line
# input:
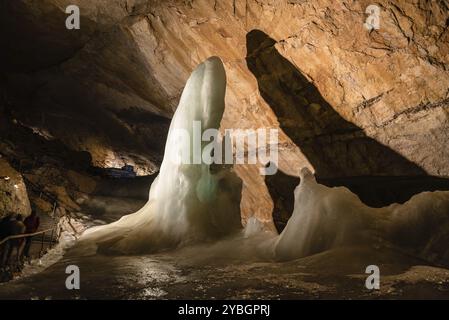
<point x="324" y="218"/>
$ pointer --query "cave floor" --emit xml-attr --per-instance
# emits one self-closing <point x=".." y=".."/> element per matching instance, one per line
<point x="335" y="274"/>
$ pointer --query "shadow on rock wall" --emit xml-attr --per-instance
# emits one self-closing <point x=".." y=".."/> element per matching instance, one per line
<point x="340" y="152"/>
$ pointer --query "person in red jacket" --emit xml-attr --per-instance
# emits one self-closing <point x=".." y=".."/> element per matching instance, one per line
<point x="32" y="224"/>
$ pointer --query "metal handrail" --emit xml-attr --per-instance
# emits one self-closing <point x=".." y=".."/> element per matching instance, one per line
<point x="56" y="203"/>
<point x="24" y="235"/>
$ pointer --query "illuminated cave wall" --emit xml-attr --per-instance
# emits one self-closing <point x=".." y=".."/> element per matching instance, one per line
<point x="348" y="102"/>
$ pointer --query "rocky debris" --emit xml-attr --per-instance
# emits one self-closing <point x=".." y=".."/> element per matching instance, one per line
<point x="13" y="191"/>
<point x="82" y="182"/>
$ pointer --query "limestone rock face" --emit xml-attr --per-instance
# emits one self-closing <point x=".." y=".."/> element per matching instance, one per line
<point x="13" y="192"/>
<point x="348" y="101"/>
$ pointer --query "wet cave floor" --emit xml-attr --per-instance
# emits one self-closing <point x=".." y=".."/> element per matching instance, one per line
<point x="334" y="274"/>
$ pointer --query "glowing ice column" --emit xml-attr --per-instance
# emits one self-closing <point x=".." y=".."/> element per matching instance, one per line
<point x="187" y="202"/>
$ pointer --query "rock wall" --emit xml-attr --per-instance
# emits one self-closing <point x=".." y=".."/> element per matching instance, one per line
<point x="349" y="102"/>
<point x="13" y="192"/>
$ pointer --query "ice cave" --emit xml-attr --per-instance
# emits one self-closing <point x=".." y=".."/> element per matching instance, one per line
<point x="120" y="155"/>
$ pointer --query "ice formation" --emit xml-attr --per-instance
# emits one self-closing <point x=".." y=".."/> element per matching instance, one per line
<point x="187" y="202"/>
<point x="193" y="203"/>
<point x="324" y="218"/>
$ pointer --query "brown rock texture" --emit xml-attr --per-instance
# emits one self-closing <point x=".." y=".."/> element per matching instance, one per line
<point x="348" y="101"/>
<point x="13" y="192"/>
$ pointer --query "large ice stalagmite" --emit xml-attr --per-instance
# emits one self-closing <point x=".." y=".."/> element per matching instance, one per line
<point x="187" y="202"/>
<point x="324" y="218"/>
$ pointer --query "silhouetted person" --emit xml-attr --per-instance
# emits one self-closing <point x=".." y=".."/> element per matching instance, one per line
<point x="31" y="224"/>
<point x="15" y="227"/>
<point x="4" y="222"/>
